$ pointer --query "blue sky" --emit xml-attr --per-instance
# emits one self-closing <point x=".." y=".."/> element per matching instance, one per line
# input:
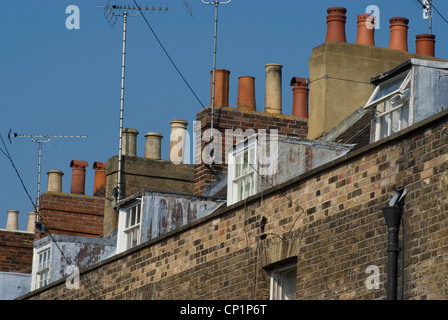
<point x="59" y="81"/>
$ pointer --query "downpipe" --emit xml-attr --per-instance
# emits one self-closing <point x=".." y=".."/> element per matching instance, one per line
<point x="392" y="216"/>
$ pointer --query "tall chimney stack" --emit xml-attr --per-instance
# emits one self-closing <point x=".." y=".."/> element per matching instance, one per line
<point x="54" y="181"/>
<point x="425" y="44"/>
<point x="129" y="145"/>
<point x="221" y="87"/>
<point x="366" y="29"/>
<point x="153" y="146"/>
<point x="273" y="91"/>
<point x="78" y="176"/>
<point x="99" y="184"/>
<point x="12" y="223"/>
<point x="178" y="140"/>
<point x="300" y="93"/>
<point x="399" y="33"/>
<point x="246" y="93"/>
<point x="336" y="20"/>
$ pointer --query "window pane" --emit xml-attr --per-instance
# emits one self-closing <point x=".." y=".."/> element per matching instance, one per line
<point x="289" y="285"/>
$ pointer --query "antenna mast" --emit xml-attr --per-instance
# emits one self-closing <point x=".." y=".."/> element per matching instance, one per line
<point x="39" y="139"/>
<point x="216" y="3"/>
<point x="427" y="13"/>
<point x="111" y="12"/>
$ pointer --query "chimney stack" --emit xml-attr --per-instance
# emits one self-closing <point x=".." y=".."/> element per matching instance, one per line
<point x="12" y="223"/>
<point x="273" y="91"/>
<point x="399" y="33"/>
<point x="129" y="145"/>
<point x="425" y="44"/>
<point x="246" y="93"/>
<point x="221" y="87"/>
<point x="153" y="146"/>
<point x="336" y="20"/>
<point x="177" y="140"/>
<point x="300" y="93"/>
<point x="78" y="176"/>
<point x="99" y="184"/>
<point x="31" y="221"/>
<point x="54" y="181"/>
<point x="366" y="29"/>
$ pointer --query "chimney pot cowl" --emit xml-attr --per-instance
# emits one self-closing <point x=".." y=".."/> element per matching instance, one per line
<point x="297" y="81"/>
<point x="78" y="164"/>
<point x="99" y="165"/>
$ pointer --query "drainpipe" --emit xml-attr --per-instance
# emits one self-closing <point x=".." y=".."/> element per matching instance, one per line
<point x="392" y="215"/>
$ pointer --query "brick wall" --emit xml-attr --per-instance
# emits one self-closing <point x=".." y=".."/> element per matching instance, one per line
<point x="72" y="214"/>
<point x="329" y="218"/>
<point x="16" y="251"/>
<point x="233" y="118"/>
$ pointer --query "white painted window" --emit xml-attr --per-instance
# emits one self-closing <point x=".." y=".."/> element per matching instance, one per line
<point x="284" y="283"/>
<point x="242" y="175"/>
<point x="129" y="227"/>
<point x="41" y="267"/>
<point x="391" y="104"/>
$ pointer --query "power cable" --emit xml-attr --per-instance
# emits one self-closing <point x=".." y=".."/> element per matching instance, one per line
<point x="7" y="154"/>
<point x="169" y="57"/>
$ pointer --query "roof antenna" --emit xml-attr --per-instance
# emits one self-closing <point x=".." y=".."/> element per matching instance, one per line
<point x="427" y="13"/>
<point x="111" y="12"/>
<point x="39" y="139"/>
<point x="216" y="3"/>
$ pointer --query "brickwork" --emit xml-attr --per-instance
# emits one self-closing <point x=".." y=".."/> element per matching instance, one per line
<point x="329" y="219"/>
<point x="232" y="119"/>
<point x="16" y="251"/>
<point x="72" y="214"/>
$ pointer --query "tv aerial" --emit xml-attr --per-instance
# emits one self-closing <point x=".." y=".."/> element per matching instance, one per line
<point x="216" y="3"/>
<point x="40" y="139"/>
<point x="112" y="12"/>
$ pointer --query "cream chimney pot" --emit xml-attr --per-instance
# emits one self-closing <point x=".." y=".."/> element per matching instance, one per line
<point x="31" y="221"/>
<point x="177" y="140"/>
<point x="273" y="92"/>
<point x="12" y="223"/>
<point x="153" y="147"/>
<point x="129" y="144"/>
<point x="54" y="180"/>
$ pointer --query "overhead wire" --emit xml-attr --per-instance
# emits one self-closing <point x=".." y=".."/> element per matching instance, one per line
<point x="169" y="57"/>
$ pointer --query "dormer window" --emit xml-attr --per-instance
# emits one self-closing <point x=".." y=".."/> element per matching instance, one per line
<point x="391" y="104"/>
<point x="129" y="227"/>
<point x="242" y="177"/>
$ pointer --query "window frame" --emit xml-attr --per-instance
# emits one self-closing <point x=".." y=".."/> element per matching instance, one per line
<point x="391" y="106"/>
<point x="235" y="155"/>
<point x="127" y="231"/>
<point x="279" y="276"/>
<point x="41" y="274"/>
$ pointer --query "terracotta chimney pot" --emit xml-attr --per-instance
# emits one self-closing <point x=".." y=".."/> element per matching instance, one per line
<point x="221" y="87"/>
<point x="99" y="184"/>
<point x="366" y="30"/>
<point x="31" y="222"/>
<point x="78" y="176"/>
<point x="129" y="145"/>
<point x="425" y="44"/>
<point x="13" y="222"/>
<point x="246" y="93"/>
<point x="54" y="180"/>
<point x="300" y="93"/>
<point x="399" y="33"/>
<point x="336" y="20"/>
<point x="178" y="140"/>
<point x="153" y="147"/>
<point x="273" y="91"/>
